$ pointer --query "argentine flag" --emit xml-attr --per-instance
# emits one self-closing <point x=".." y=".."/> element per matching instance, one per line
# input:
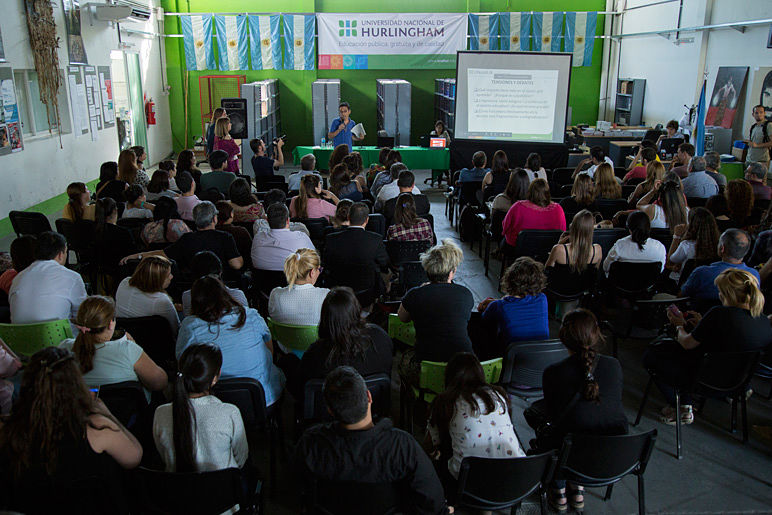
<point x="264" y="42"/>
<point x="547" y="31"/>
<point x="515" y="30"/>
<point x="197" y="40"/>
<point x="580" y="36"/>
<point x="232" y="42"/>
<point x="484" y="31"/>
<point x="299" y="41"/>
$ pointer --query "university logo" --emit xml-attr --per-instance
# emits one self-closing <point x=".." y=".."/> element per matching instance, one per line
<point x="348" y="28"/>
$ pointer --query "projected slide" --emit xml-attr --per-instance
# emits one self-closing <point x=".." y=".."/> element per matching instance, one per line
<point x="512" y="96"/>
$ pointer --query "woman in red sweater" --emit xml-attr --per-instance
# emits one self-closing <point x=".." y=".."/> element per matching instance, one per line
<point x="536" y="212"/>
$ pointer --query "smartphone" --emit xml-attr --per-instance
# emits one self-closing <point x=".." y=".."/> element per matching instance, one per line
<point x="673" y="309"/>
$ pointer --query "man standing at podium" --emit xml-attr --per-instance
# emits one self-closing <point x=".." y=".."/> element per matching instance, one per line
<point x="340" y="130"/>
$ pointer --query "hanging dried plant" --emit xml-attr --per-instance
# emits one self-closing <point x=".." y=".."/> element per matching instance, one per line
<point x="44" y="43"/>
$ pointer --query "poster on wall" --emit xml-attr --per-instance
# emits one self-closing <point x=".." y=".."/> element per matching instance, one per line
<point x="761" y="90"/>
<point x="2" y="48"/>
<point x="106" y="95"/>
<point x="75" y="46"/>
<point x="382" y="41"/>
<point x="726" y="93"/>
<point x="78" y="102"/>
<point x="10" y="127"/>
<point x="93" y="101"/>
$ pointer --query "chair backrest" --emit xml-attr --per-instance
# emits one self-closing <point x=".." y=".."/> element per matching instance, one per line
<point x="399" y="330"/>
<point x="314" y="408"/>
<point x="565" y="190"/>
<point x="80" y="237"/>
<point x="353" y="498"/>
<point x="468" y="193"/>
<point x="247" y="395"/>
<point x="125" y="400"/>
<point x="412" y="274"/>
<point x="605" y="459"/>
<point x="268" y="182"/>
<point x="249" y="226"/>
<point x="188" y="492"/>
<point x="294" y="337"/>
<point x="561" y="280"/>
<point x="492" y="369"/>
<point x="267" y="280"/>
<point x="401" y="251"/>
<point x="727" y="372"/>
<point x="155" y="336"/>
<point x="633" y="278"/>
<point x="620" y="171"/>
<point x="496" y="483"/>
<point x="524" y="362"/>
<point x="536" y="243"/>
<point x="29" y="222"/>
<point x="357" y="276"/>
<point x="315" y="226"/>
<point x="433" y="374"/>
<point x="561" y="176"/>
<point x="135" y="226"/>
<point x="609" y="207"/>
<point x="627" y="190"/>
<point x="693" y="202"/>
<point x="607" y="237"/>
<point x="664" y="236"/>
<point x="497" y="224"/>
<point x="377" y="223"/>
<point x="27" y="339"/>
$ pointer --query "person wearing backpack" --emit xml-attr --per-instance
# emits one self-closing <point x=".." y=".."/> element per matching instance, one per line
<point x="759" y="142"/>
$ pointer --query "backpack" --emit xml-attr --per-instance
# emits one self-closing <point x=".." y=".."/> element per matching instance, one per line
<point x="764" y="134"/>
<point x="469" y="225"/>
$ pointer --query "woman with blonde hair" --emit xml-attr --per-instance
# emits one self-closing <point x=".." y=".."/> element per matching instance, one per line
<point x="407" y="226"/>
<point x="78" y="207"/>
<point x="104" y="358"/>
<point x="606" y="185"/>
<point x="128" y="171"/>
<point x="218" y="113"/>
<point x="655" y="171"/>
<point x="582" y="196"/>
<point x="311" y="201"/>
<point x="224" y="141"/>
<point x="300" y="302"/>
<point x="738" y="324"/>
<point x="575" y="249"/>
<point x="144" y="293"/>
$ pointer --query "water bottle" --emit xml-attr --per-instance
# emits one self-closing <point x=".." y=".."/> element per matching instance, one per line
<point x="324" y="141"/>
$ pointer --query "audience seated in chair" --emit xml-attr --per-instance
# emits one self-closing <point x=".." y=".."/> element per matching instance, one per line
<point x="756" y="175"/>
<point x="575" y="249"/>
<point x="534" y="169"/>
<point x="655" y="171"/>
<point x="582" y="394"/>
<point x="732" y="248"/>
<point x="307" y="167"/>
<point x="440" y="311"/>
<point x="311" y="201"/>
<point x="698" y="240"/>
<point x="300" y="302"/>
<point x="385" y="176"/>
<point x="136" y="205"/>
<point x="188" y="200"/>
<point x="270" y="249"/>
<point x="639" y="168"/>
<point x="130" y="168"/>
<point x="167" y="225"/>
<point x="46" y="463"/>
<point x="186" y="162"/>
<point x="160" y="185"/>
<point x="496" y="180"/>
<point x="406" y="184"/>
<point x="698" y="184"/>
<point x="517" y="189"/>
<point x="78" y="206"/>
<point x="665" y="206"/>
<point x="404" y="180"/>
<point x="637" y="247"/>
<point x="680" y="165"/>
<point x="342" y="186"/>
<point x="582" y="196"/>
<point x="109" y="185"/>
<point x="340" y="220"/>
<point x="241" y="236"/>
<point x="345" y="338"/>
<point x="240" y="333"/>
<point x="246" y="207"/>
<point x="355" y="449"/>
<point x="46" y="289"/>
<point x="606" y="185"/>
<point x="144" y="293"/>
<point x="22" y="256"/>
<point x="736" y="325"/>
<point x="407" y="225"/>
<point x="470" y="418"/>
<point x="712" y="167"/>
<point x="206" y="263"/>
<point x="275" y="196"/>
<point x="536" y="212"/>
<point x="111" y="240"/>
<point x="104" y="360"/>
<point x="597" y="158"/>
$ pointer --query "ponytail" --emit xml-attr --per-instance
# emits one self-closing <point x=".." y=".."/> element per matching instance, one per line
<point x="93" y="318"/>
<point x="299" y="264"/>
<point x="737" y="288"/>
<point x="74" y="191"/>
<point x="581" y="334"/>
<point x="105" y="207"/>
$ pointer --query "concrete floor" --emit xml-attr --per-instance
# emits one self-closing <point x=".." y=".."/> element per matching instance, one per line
<point x="718" y="474"/>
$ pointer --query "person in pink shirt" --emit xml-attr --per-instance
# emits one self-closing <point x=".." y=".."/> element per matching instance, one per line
<point x="188" y="200"/>
<point x="648" y="155"/>
<point x="224" y="141"/>
<point x="536" y="212"/>
<point x="22" y="256"/>
<point x="312" y="202"/>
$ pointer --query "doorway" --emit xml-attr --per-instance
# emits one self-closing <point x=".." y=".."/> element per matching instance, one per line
<point x="129" y="101"/>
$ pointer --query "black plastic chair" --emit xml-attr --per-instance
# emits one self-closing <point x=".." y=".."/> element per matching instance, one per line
<point x="565" y="190"/>
<point x="248" y="396"/>
<point x="565" y="285"/>
<point x="693" y="202"/>
<point x="155" y="336"/>
<point x="193" y="493"/>
<point x="126" y="401"/>
<point x="496" y="484"/>
<point x="135" y="225"/>
<point x="377" y="223"/>
<point x="80" y="238"/>
<point x="324" y="497"/>
<point x="620" y="172"/>
<point x="524" y="365"/>
<point x="607" y="237"/>
<point x="249" y="226"/>
<point x="220" y="181"/>
<point x="403" y="251"/>
<point x="628" y="189"/>
<point x="720" y="375"/>
<point x="534" y="243"/>
<point x="595" y="461"/>
<point x="493" y="232"/>
<point x="269" y="182"/>
<point x="664" y="236"/>
<point x="609" y="207"/>
<point x="562" y="176"/>
<point x="315" y="410"/>
<point x="29" y="222"/>
<point x="316" y="228"/>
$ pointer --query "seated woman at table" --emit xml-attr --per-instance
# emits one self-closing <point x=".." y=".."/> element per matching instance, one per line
<point x="440" y="131"/>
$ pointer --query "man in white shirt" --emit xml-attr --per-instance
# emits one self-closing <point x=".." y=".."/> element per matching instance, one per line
<point x="698" y="184"/>
<point x="270" y="249"/>
<point x="47" y="290"/>
<point x="597" y="156"/>
<point x="390" y="191"/>
<point x="307" y="167"/>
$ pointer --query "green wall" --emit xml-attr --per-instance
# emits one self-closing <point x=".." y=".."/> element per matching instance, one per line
<point x="358" y="86"/>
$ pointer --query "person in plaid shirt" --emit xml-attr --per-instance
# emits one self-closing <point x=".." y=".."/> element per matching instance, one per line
<point x="407" y="226"/>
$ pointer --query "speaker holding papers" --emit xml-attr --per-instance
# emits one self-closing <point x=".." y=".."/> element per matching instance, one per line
<point x="237" y="112"/>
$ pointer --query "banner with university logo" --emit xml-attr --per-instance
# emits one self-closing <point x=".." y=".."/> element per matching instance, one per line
<point x="232" y="42"/>
<point x="197" y="40"/>
<point x="264" y="42"/>
<point x="515" y="32"/>
<point x="580" y="36"/>
<point x="299" y="41"/>
<point x="547" y="31"/>
<point x="381" y="41"/>
<point x="483" y="31"/>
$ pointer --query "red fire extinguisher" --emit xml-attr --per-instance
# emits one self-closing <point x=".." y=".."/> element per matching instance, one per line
<point x="150" y="112"/>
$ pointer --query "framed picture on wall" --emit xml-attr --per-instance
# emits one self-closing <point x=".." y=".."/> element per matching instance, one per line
<point x="2" y="49"/>
<point x="726" y="94"/>
<point x="761" y="89"/>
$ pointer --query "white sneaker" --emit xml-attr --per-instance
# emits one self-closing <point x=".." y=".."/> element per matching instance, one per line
<point x="668" y="415"/>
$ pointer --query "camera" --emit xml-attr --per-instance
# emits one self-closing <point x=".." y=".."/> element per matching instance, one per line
<point x="282" y="138"/>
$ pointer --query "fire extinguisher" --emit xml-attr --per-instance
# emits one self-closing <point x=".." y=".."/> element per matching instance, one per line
<point x="150" y="112"/>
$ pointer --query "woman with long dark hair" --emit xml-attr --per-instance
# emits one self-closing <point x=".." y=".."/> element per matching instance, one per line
<point x="407" y="226"/>
<point x="59" y="435"/>
<point x="470" y="418"/>
<point x="342" y="185"/>
<point x="534" y="168"/>
<point x="637" y="247"/>
<point x="337" y="155"/>
<point x="160" y="186"/>
<point x="109" y="185"/>
<point x="186" y="162"/>
<point x="78" y="207"/>
<point x="197" y="432"/>
<point x="496" y="180"/>
<point x="246" y="207"/>
<point x="698" y="240"/>
<point x="167" y="225"/>
<point x="536" y="212"/>
<point x="517" y="189"/>
<point x="665" y="205"/>
<point x="239" y="332"/>
<point x="113" y="242"/>
<point x="311" y="201"/>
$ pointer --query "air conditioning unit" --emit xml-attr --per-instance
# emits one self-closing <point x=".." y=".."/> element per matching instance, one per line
<point x="140" y="14"/>
<point x="108" y="12"/>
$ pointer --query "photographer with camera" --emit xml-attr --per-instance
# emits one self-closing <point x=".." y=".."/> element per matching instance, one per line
<point x="262" y="165"/>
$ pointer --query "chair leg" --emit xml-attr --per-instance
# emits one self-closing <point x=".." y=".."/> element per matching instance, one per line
<point x="487" y="258"/>
<point x="272" y="458"/>
<point x="643" y="401"/>
<point x="744" y="408"/>
<point x="733" y="415"/>
<point x="641" y="496"/>
<point x="678" y="423"/>
<point x="609" y="489"/>
<point x="543" y="500"/>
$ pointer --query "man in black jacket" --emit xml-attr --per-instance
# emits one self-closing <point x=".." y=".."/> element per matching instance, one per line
<point x="354" y="448"/>
<point x="405" y="181"/>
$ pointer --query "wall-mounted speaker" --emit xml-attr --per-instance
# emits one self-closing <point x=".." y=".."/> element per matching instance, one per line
<point x="236" y="109"/>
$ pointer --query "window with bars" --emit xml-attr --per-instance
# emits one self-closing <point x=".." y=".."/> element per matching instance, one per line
<point x="32" y="111"/>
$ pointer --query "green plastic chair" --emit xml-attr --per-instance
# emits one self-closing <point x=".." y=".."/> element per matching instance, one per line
<point x="432" y="381"/>
<point x="297" y="338"/>
<point x="26" y="339"/>
<point x="399" y="330"/>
